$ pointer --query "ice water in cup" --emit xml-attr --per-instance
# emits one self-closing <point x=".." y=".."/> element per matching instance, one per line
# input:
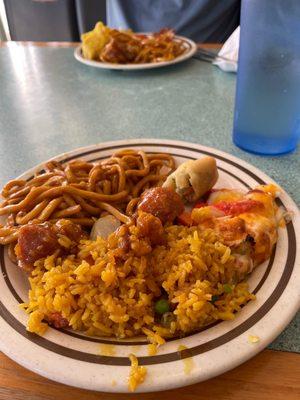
<point x="267" y="105"/>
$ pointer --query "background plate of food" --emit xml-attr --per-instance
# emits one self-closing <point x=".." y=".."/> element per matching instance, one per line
<point x="144" y="265"/>
<point x="108" y="48"/>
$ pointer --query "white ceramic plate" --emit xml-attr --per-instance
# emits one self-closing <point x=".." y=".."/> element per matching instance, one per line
<point x="190" y="50"/>
<point x="73" y="359"/>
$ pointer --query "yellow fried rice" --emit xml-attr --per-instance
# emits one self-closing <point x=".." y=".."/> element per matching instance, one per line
<point x="101" y="295"/>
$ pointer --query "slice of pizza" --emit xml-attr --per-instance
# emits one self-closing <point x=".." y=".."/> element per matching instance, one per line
<point x="246" y="222"/>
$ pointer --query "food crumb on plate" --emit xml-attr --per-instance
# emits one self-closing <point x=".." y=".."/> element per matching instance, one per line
<point x="253" y="339"/>
<point x="137" y="374"/>
<point x="152" y="349"/>
<point x="187" y="362"/>
<point x="113" y="383"/>
<point x="107" y="349"/>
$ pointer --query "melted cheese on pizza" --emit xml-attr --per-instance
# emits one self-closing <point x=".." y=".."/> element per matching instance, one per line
<point x="246" y="222"/>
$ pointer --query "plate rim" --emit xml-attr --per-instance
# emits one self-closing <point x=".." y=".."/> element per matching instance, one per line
<point x="187" y="379"/>
<point x="137" y="67"/>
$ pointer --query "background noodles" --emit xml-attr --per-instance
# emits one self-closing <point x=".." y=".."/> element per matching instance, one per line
<point x="126" y="47"/>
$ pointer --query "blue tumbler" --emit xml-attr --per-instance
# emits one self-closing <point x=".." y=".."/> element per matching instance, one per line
<point x="267" y="103"/>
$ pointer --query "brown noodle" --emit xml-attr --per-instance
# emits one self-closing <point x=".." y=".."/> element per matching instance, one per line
<point x="126" y="47"/>
<point x="82" y="191"/>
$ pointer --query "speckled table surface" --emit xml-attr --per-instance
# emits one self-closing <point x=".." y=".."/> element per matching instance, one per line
<point x="50" y="103"/>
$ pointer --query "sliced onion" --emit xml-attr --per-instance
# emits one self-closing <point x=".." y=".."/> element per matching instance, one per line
<point x="104" y="226"/>
<point x="283" y="215"/>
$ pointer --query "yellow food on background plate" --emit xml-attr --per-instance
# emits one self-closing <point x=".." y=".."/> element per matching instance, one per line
<point x="126" y="47"/>
<point x="94" y="41"/>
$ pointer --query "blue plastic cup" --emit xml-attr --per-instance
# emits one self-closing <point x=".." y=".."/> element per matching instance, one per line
<point x="267" y="104"/>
